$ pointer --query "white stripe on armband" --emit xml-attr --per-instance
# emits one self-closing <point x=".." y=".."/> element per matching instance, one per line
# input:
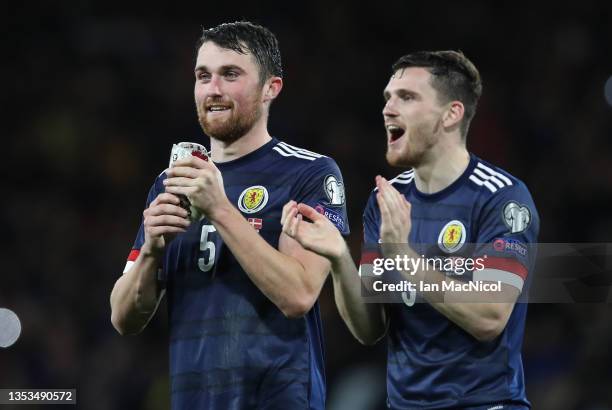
<point x="494" y="275"/>
<point x="366" y="269"/>
<point x="128" y="265"/>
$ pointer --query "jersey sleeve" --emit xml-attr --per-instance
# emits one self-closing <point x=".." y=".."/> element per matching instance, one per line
<point x="155" y="190"/>
<point x="507" y="237"/>
<point x="321" y="186"/>
<point x="371" y="231"/>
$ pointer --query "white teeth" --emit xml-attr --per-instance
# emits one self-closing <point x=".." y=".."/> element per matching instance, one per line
<point x="217" y="108"/>
<point x="392" y="128"/>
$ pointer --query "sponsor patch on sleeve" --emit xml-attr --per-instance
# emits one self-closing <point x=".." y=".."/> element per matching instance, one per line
<point x="512" y="246"/>
<point x="333" y="216"/>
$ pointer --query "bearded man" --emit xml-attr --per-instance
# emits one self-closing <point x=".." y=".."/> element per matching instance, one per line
<point x="245" y="328"/>
<point x="448" y="348"/>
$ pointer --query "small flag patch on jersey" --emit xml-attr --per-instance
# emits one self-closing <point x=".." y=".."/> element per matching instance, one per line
<point x="256" y="223"/>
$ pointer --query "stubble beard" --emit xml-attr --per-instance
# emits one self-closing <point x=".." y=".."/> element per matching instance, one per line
<point x="233" y="128"/>
<point x="415" y="149"/>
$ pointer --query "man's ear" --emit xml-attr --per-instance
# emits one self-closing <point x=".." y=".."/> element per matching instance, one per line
<point x="272" y="88"/>
<point x="453" y="115"/>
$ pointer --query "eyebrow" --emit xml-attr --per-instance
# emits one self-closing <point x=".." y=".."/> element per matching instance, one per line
<point x="227" y="67"/>
<point x="400" y="92"/>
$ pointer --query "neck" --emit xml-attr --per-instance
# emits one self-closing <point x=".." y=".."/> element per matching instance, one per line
<point x="440" y="169"/>
<point x="222" y="151"/>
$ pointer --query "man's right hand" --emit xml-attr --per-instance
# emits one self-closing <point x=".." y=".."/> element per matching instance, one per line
<point x="320" y="236"/>
<point x="163" y="220"/>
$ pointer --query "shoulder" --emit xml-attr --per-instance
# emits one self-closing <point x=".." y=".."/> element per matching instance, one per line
<point x="157" y="187"/>
<point x="295" y="154"/>
<point x="503" y="192"/>
<point x="493" y="181"/>
<point x="302" y="159"/>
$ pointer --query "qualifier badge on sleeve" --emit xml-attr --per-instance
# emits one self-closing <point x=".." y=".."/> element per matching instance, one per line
<point x="183" y="150"/>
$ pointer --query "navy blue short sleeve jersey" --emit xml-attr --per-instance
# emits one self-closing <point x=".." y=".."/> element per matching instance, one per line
<point x="230" y="346"/>
<point x="432" y="362"/>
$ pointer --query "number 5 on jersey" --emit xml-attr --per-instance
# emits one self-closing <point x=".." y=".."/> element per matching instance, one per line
<point x="206" y="263"/>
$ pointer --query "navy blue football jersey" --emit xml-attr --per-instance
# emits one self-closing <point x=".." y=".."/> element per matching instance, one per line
<point x="230" y="346"/>
<point x="432" y="362"/>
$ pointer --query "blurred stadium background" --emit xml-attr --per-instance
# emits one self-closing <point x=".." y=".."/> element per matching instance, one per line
<point x="95" y="95"/>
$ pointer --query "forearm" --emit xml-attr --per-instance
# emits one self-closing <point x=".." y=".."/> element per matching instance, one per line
<point x="366" y="321"/>
<point x="280" y="277"/>
<point x="482" y="313"/>
<point x="134" y="298"/>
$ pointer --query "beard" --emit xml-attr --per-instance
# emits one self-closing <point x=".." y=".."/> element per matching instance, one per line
<point x="230" y="129"/>
<point x="417" y="146"/>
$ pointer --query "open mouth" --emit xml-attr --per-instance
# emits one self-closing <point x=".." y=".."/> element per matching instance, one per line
<point x="395" y="132"/>
<point x="215" y="108"/>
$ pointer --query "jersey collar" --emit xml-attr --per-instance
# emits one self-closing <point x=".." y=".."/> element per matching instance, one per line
<point x="449" y="189"/>
<point x="251" y="156"/>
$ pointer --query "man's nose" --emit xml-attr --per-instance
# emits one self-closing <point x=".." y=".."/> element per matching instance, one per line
<point x="389" y="109"/>
<point x="214" y="88"/>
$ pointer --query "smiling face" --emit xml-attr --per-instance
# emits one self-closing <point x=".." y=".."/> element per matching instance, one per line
<point x="228" y="92"/>
<point x="413" y="117"/>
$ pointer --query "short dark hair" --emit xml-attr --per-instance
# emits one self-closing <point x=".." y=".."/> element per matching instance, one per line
<point x="245" y="37"/>
<point x="453" y="75"/>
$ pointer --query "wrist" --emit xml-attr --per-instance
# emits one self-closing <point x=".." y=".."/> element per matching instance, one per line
<point x="393" y="238"/>
<point x="392" y="249"/>
<point x="149" y="251"/>
<point x="340" y="255"/>
<point x="221" y="211"/>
